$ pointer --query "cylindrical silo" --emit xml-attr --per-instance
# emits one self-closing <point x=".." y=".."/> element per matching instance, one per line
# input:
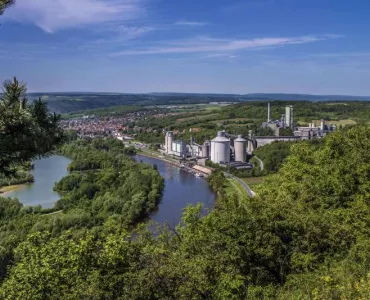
<point x="169" y="139"/>
<point x="240" y="146"/>
<point x="220" y="148"/>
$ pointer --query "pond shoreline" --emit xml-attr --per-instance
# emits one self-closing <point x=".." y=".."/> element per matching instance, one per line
<point x="10" y="188"/>
<point x="46" y="172"/>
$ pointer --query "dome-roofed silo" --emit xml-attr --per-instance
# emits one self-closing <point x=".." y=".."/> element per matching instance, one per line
<point x="220" y="148"/>
<point x="240" y="145"/>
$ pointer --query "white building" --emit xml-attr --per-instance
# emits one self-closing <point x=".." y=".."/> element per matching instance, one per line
<point x="220" y="148"/>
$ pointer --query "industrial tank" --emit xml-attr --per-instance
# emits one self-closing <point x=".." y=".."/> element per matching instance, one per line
<point x="220" y="148"/>
<point x="169" y="140"/>
<point x="240" y="146"/>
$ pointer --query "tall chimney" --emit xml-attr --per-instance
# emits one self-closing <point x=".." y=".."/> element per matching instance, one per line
<point x="268" y="113"/>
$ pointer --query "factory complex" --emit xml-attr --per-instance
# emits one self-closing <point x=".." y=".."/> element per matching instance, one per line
<point x="221" y="150"/>
<point x="232" y="150"/>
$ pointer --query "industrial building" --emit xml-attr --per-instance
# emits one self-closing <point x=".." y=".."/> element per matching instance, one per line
<point x="175" y="147"/>
<point x="223" y="149"/>
<point x="220" y="148"/>
<point x="231" y="150"/>
<point x="286" y="121"/>
<point x="289" y="119"/>
<point x="312" y="131"/>
<point x="304" y="132"/>
<point x="240" y="147"/>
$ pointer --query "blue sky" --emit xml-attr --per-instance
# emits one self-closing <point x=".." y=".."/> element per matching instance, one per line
<point x="218" y="46"/>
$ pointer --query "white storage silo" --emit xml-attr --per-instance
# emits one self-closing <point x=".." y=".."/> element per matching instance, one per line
<point x="240" y="145"/>
<point x="220" y="148"/>
<point x="169" y="140"/>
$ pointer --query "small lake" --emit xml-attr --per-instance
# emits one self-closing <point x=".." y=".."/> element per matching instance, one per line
<point x="47" y="172"/>
<point x="181" y="189"/>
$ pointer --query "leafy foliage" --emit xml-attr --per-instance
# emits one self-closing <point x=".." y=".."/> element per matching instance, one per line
<point x="5" y="4"/>
<point x="26" y="131"/>
<point x="121" y="190"/>
<point x="304" y="236"/>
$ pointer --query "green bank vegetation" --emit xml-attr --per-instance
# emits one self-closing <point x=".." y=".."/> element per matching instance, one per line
<point x="299" y="238"/>
<point x="108" y="186"/>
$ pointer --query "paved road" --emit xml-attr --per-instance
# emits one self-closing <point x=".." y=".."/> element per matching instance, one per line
<point x="243" y="184"/>
<point x="261" y="163"/>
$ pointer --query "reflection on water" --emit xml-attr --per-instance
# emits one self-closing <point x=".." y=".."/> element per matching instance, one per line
<point x="181" y="189"/>
<point x="47" y="172"/>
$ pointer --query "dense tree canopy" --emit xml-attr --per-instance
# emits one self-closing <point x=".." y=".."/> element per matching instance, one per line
<point x="27" y="131"/>
<point x="117" y="190"/>
<point x="304" y="236"/>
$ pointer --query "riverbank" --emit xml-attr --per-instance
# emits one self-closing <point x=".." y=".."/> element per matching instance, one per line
<point x="159" y="157"/>
<point x="181" y="189"/>
<point x="11" y="188"/>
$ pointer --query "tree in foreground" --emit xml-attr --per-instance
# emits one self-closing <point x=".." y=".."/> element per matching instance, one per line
<point x="27" y="131"/>
<point x="5" y="4"/>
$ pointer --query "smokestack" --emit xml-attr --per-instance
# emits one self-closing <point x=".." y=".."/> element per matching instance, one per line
<point x="268" y="113"/>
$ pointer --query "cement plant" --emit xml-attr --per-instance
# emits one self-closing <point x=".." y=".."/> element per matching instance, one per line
<point x="233" y="150"/>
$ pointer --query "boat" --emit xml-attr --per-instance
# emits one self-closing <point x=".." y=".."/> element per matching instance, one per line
<point x="199" y="175"/>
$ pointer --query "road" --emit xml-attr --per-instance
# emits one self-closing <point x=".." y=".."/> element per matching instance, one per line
<point x="261" y="163"/>
<point x="243" y="184"/>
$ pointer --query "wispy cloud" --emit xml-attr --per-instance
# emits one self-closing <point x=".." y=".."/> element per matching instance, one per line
<point x="132" y="32"/>
<point x="212" y="45"/>
<point x="220" y="55"/>
<point x="190" y="23"/>
<point x="53" y="15"/>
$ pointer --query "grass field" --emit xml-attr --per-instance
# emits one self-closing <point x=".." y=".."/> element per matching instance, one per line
<point x="231" y="120"/>
<point x="253" y="181"/>
<point x="337" y="123"/>
<point x="199" y="117"/>
<point x="233" y="186"/>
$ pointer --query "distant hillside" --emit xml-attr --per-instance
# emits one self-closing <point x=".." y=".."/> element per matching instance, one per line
<point x="73" y="102"/>
<point x="304" y="97"/>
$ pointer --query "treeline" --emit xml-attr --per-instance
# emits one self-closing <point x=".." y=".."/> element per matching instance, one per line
<point x="20" y="176"/>
<point x="305" y="110"/>
<point x="108" y="111"/>
<point x="273" y="155"/>
<point x="120" y="192"/>
<point x="111" y="183"/>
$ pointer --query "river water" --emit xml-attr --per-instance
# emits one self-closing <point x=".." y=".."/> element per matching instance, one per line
<point x="47" y="172"/>
<point x="181" y="188"/>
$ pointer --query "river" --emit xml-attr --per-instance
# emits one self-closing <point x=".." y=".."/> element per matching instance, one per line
<point x="47" y="172"/>
<point x="181" y="188"/>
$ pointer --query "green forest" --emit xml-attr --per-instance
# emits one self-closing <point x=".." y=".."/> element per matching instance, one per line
<point x="304" y="236"/>
<point x="107" y="187"/>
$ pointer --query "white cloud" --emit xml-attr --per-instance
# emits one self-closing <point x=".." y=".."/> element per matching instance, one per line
<point x="211" y="45"/>
<point x="132" y="32"/>
<point x="190" y="23"/>
<point x="220" y="55"/>
<point x="53" y="15"/>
